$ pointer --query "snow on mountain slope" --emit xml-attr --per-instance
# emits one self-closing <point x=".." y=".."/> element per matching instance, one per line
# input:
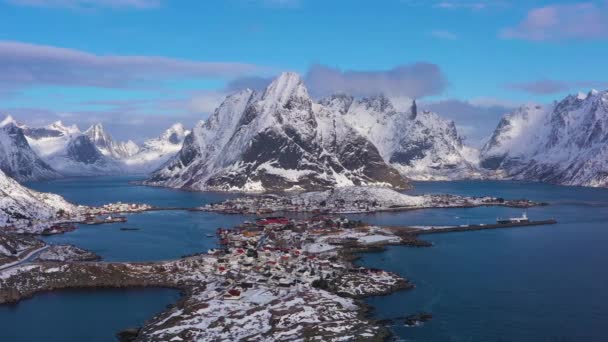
<point x="71" y="152"/>
<point x="18" y="203"/>
<point x="52" y="139"/>
<point x="384" y="197"/>
<point x="95" y="152"/>
<point x="155" y="152"/>
<point x="277" y="140"/>
<point x="419" y="144"/>
<point x="17" y="158"/>
<point x="106" y="144"/>
<point x="564" y="143"/>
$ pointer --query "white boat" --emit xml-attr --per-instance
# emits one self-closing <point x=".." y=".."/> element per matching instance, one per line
<point x="522" y="219"/>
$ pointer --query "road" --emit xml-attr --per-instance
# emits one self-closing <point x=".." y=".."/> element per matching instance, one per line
<point x="28" y="257"/>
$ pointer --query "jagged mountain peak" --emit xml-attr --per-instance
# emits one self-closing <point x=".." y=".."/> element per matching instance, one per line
<point x="96" y="131"/>
<point x="61" y="127"/>
<point x="285" y="90"/>
<point x="339" y="102"/>
<point x="378" y="103"/>
<point x="564" y="143"/>
<point x="283" y="139"/>
<point x="17" y="158"/>
<point x="8" y="120"/>
<point x="174" y="134"/>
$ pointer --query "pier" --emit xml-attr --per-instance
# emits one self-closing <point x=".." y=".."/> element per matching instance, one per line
<point x="473" y="227"/>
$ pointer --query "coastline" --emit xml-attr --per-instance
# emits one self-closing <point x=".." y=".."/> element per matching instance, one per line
<point x="193" y="277"/>
<point x="92" y="275"/>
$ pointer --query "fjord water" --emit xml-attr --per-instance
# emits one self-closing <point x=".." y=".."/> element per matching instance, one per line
<point x="81" y="315"/>
<point x="546" y="283"/>
<point x="525" y="284"/>
<point x="160" y="235"/>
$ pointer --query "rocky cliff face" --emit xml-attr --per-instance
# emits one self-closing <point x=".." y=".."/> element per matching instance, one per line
<point x="106" y="144"/>
<point x="94" y="151"/>
<point x="71" y="152"/>
<point x="563" y="143"/>
<point x="419" y="144"/>
<point x="17" y="159"/>
<point x="277" y="140"/>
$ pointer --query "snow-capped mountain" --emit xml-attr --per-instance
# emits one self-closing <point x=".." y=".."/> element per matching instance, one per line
<point x="94" y="152"/>
<point x="71" y="152"/>
<point x="281" y="139"/>
<point x="106" y="144"/>
<point x="17" y="159"/>
<point x="18" y="203"/>
<point x="155" y="152"/>
<point x="419" y="144"/>
<point x="564" y="143"/>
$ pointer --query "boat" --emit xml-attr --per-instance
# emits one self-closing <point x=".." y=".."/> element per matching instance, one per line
<point x="522" y="219"/>
<point x="209" y="235"/>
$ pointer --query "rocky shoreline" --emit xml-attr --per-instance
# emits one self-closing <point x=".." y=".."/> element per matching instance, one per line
<point x="302" y="309"/>
<point x="355" y="200"/>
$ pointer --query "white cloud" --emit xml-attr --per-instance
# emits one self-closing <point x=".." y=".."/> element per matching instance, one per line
<point x="136" y="4"/>
<point x="25" y="65"/>
<point x="586" y="20"/>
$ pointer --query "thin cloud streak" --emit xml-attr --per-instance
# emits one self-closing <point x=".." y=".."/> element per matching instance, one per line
<point x="586" y="20"/>
<point x="411" y="80"/>
<point x="26" y="65"/>
<point x="548" y="86"/>
<point x="80" y="4"/>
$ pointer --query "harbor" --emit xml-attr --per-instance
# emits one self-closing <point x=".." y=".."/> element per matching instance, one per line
<point x="514" y="222"/>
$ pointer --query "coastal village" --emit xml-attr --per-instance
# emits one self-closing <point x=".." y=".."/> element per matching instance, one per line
<point x="274" y="277"/>
<point x="354" y="200"/>
<point x="295" y="275"/>
<point x="65" y="221"/>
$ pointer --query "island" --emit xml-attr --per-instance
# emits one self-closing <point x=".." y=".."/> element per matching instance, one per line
<point x="355" y="200"/>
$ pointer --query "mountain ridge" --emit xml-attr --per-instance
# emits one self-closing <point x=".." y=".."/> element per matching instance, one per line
<point x="564" y="143"/>
<point x="332" y="142"/>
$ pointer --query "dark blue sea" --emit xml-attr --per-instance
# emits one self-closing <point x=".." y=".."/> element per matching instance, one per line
<point x="544" y="283"/>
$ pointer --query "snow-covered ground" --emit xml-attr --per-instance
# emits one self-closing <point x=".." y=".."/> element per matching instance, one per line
<point x="66" y="253"/>
<point x="354" y="199"/>
<point x="19" y="205"/>
<point x="282" y="139"/>
<point x="564" y="142"/>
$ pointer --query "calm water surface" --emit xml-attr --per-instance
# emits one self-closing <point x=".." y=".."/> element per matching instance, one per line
<point x="527" y="284"/>
<point x="544" y="283"/>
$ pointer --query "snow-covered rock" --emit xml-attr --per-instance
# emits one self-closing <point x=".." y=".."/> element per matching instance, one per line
<point x="18" y="203"/>
<point x="155" y="152"/>
<point x="419" y="144"/>
<point x="17" y="158"/>
<point x="94" y="151"/>
<point x="277" y="140"/>
<point x="106" y="144"/>
<point x="382" y="197"/>
<point x="71" y="152"/>
<point x="564" y="143"/>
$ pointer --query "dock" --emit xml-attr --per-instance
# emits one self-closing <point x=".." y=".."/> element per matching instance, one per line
<point x="473" y="227"/>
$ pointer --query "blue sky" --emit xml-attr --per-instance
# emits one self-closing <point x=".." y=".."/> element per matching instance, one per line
<point x="482" y="56"/>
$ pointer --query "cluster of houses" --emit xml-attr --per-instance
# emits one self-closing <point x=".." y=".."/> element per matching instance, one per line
<point x="268" y="204"/>
<point x="343" y="203"/>
<point x="109" y="213"/>
<point x="118" y="207"/>
<point x="283" y="252"/>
